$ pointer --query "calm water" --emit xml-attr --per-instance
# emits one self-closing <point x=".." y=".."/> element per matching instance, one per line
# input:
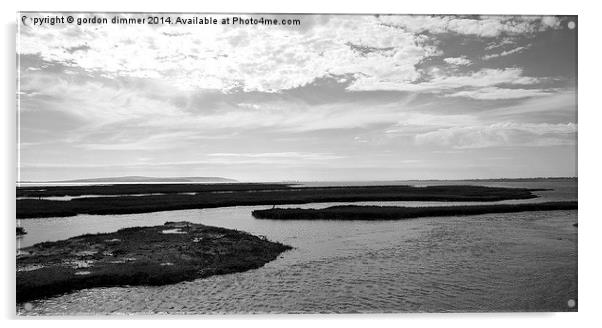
<point x="496" y="262"/>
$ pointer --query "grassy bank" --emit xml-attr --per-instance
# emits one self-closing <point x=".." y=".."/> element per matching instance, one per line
<point x="171" y="253"/>
<point x="33" y="208"/>
<point x="399" y="213"/>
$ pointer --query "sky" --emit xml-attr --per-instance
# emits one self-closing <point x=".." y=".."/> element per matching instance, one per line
<point x="337" y="97"/>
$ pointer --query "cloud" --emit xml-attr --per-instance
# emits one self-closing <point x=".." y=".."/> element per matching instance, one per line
<point x="498" y="44"/>
<point x="199" y="98"/>
<point x="82" y="47"/>
<point x="458" y="61"/>
<point x="486" y="77"/>
<point x="277" y="156"/>
<point x="133" y="114"/>
<point x="550" y="22"/>
<point x="98" y="101"/>
<point x="494" y="93"/>
<point x="137" y="139"/>
<point x="505" y="53"/>
<point x="227" y="58"/>
<point x="375" y="53"/>
<point x="557" y="107"/>
<point x="501" y="135"/>
<point x="487" y="26"/>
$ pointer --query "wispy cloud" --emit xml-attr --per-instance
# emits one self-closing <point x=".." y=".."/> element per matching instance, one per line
<point x="501" y="135"/>
<point x="486" y="77"/>
<point x="500" y="43"/>
<point x="505" y="53"/>
<point x="488" y="26"/>
<point x="495" y="93"/>
<point x="303" y="156"/>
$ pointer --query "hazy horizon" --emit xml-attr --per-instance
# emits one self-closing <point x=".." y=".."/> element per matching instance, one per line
<point x="338" y="98"/>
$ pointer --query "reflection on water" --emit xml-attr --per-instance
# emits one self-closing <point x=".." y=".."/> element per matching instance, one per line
<point x="496" y="262"/>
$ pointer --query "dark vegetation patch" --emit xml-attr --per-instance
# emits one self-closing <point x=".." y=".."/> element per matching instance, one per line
<point x="399" y="213"/>
<point x="159" y="255"/>
<point x="21" y="231"/>
<point x="32" y="208"/>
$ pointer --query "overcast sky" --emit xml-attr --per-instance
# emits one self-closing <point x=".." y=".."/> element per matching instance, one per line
<point x="336" y="98"/>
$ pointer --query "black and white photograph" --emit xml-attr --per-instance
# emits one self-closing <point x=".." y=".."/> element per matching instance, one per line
<point x="235" y="163"/>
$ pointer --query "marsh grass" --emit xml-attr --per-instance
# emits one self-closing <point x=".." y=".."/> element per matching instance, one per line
<point x="261" y="195"/>
<point x="139" y="256"/>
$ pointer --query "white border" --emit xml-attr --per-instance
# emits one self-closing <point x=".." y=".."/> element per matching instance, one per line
<point x="589" y="162"/>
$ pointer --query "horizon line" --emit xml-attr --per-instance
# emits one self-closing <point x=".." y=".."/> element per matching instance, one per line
<point x="234" y="181"/>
